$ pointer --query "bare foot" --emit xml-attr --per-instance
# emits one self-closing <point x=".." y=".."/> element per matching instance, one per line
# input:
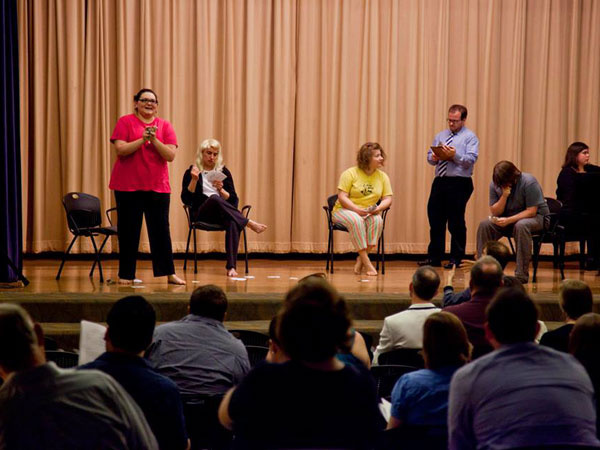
<point x="371" y="271"/>
<point x="174" y="279"/>
<point x="358" y="266"/>
<point x="124" y="282"/>
<point x="232" y="273"/>
<point x="256" y="227"/>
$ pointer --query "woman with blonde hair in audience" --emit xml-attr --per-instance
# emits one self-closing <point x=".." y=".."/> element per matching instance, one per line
<point x="364" y="192"/>
<point x="421" y="397"/>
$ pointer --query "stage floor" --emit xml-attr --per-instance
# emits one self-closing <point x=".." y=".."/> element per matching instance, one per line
<point x="266" y="276"/>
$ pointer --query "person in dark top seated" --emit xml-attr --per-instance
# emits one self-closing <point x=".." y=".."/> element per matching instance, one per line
<point x="421" y="397"/>
<point x="584" y="345"/>
<point x="313" y="400"/>
<point x="492" y="248"/>
<point x="131" y="323"/>
<point x="214" y="200"/>
<point x="571" y="215"/>
<point x="575" y="299"/>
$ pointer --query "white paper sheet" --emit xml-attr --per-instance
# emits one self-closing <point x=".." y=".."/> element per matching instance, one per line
<point x="214" y="175"/>
<point x="385" y="408"/>
<point x="91" y="341"/>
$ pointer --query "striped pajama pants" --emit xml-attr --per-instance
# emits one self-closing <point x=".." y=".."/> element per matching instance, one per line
<point x="363" y="232"/>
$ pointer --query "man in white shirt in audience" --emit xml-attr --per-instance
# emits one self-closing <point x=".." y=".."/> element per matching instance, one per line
<point x="405" y="329"/>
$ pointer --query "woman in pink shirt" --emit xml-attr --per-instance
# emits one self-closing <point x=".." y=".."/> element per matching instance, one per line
<point x="140" y="179"/>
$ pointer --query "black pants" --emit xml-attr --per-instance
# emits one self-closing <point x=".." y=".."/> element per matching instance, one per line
<point x="218" y="211"/>
<point x="447" y="204"/>
<point x="131" y="208"/>
<point x="203" y="426"/>
<point x="586" y="226"/>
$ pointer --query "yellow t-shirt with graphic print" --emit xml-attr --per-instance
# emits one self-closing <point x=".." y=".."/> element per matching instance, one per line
<point x="364" y="190"/>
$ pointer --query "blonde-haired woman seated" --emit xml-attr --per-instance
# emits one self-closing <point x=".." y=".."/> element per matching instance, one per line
<point x="216" y="201"/>
<point x="364" y="192"/>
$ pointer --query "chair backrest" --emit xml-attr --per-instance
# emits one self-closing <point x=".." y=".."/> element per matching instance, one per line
<point x="83" y="211"/>
<point x="249" y="337"/>
<point x="331" y="201"/>
<point x="403" y="356"/>
<point x="553" y="205"/>
<point x="386" y="376"/>
<point x="256" y="354"/>
<point x="62" y="359"/>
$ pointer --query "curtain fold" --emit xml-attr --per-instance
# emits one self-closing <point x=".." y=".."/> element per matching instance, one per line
<point x="292" y="89"/>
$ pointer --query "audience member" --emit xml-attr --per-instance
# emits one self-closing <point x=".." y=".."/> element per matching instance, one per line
<point x="575" y="299"/>
<point x="405" y="329"/>
<point x="491" y="248"/>
<point x="204" y="360"/>
<point x="584" y="345"/>
<point x="131" y="323"/>
<point x="421" y="397"/>
<point x="313" y="400"/>
<point x="518" y="207"/>
<point x="521" y="394"/>
<point x="486" y="278"/>
<point x="276" y="353"/>
<point x="44" y="407"/>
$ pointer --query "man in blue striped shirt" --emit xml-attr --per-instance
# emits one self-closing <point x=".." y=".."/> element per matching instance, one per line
<point x="452" y="187"/>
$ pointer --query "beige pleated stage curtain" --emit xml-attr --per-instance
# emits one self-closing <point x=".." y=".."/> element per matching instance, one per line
<point x="292" y="88"/>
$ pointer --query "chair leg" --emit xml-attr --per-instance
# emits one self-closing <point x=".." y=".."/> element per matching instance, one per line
<point x="382" y="254"/>
<point x="512" y="247"/>
<point x="536" y="256"/>
<point x="328" y="250"/>
<point x="582" y="255"/>
<point x="561" y="259"/>
<point x="331" y="254"/>
<point x="187" y="249"/>
<point x="195" y="254"/>
<point x="65" y="256"/>
<point x="378" y="254"/>
<point x="99" y="251"/>
<point x="245" y="249"/>
<point x="97" y="259"/>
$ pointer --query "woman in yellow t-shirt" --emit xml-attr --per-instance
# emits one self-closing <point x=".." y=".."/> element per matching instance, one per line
<point x="359" y="191"/>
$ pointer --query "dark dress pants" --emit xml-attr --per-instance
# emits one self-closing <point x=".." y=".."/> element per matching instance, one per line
<point x="218" y="211"/>
<point x="585" y="225"/>
<point x="447" y="204"/>
<point x="131" y="208"/>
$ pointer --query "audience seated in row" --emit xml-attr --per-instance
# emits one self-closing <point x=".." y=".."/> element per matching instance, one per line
<point x="486" y="279"/>
<point x="575" y="299"/>
<point x="204" y="360"/>
<point x="131" y="322"/>
<point x="44" y="407"/>
<point x="421" y="397"/>
<point x="405" y="329"/>
<point x="313" y="400"/>
<point x="521" y="394"/>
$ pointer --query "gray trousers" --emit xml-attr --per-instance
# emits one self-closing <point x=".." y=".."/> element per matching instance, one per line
<point x="520" y="231"/>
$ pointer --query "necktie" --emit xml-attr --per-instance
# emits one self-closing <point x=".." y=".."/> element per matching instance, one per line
<point x="443" y="166"/>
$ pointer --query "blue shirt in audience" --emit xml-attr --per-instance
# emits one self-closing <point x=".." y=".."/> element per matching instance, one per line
<point x="421" y="397"/>
<point x="522" y="395"/>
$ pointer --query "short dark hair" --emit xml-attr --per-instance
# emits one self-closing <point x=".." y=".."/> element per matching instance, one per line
<point x="575" y="298"/>
<point x="460" y="108"/>
<point x="131" y="322"/>
<point x="273" y="329"/>
<point x="445" y="341"/>
<point x="209" y="301"/>
<point x="512" y="281"/>
<point x="425" y="282"/>
<point x="364" y="155"/>
<point x="505" y="173"/>
<point x="571" y="156"/>
<point x="486" y="275"/>
<point x="499" y="251"/>
<point x="314" y="322"/>
<point x="136" y="97"/>
<point x="17" y="338"/>
<point x="512" y="316"/>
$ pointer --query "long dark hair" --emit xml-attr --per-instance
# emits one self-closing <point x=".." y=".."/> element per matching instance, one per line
<point x="571" y="157"/>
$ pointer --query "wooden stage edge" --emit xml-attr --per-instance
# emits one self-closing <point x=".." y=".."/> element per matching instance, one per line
<point x="253" y="300"/>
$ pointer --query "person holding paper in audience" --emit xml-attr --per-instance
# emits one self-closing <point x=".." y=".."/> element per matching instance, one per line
<point x="209" y="191"/>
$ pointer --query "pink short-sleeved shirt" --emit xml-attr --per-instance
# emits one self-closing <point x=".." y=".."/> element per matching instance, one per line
<point x="145" y="169"/>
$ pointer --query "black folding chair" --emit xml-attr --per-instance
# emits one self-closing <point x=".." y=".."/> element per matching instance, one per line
<point x="206" y="226"/>
<point x="62" y="359"/>
<point x="386" y="377"/>
<point x="402" y="356"/>
<point x="249" y="337"/>
<point x="256" y="354"/>
<point x="332" y="226"/>
<point x="84" y="219"/>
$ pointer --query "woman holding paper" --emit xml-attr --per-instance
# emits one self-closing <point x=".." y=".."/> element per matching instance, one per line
<point x="144" y="144"/>
<point x="209" y="191"/>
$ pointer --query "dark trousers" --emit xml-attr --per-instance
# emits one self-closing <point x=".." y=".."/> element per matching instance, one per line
<point x="203" y="426"/>
<point x="586" y="226"/>
<point x="447" y="204"/>
<point x="131" y="208"/>
<point x="218" y="211"/>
